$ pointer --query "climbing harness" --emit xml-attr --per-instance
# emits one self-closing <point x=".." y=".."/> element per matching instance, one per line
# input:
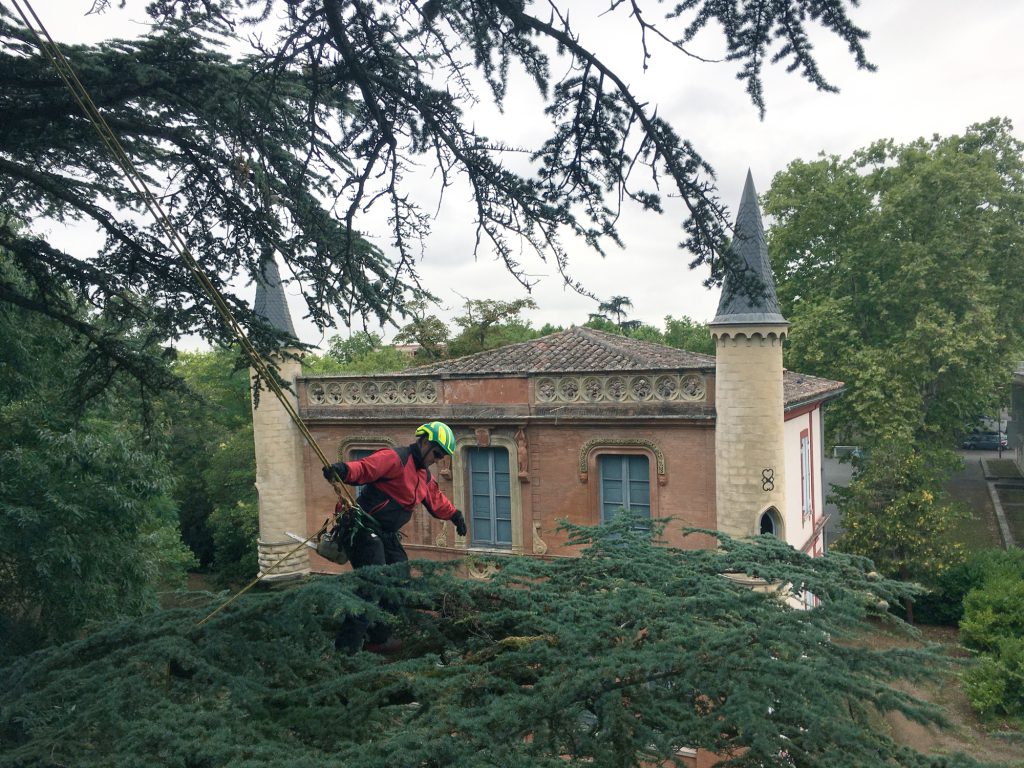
<point x="49" y="49"/>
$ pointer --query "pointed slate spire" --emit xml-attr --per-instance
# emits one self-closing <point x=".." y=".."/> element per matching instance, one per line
<point x="271" y="303"/>
<point x="741" y="300"/>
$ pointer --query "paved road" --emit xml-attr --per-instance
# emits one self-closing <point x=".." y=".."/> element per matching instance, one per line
<point x="968" y="485"/>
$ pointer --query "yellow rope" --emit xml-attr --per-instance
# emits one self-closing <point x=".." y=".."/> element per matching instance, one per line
<point x="255" y="581"/>
<point x="78" y="91"/>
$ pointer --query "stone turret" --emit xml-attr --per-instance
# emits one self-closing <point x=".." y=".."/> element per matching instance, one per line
<point x="748" y="330"/>
<point x="279" y="446"/>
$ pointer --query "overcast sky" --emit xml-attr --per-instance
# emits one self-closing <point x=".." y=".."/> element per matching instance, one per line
<point x="942" y="65"/>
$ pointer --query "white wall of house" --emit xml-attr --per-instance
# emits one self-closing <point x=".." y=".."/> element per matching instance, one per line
<point x="803" y="440"/>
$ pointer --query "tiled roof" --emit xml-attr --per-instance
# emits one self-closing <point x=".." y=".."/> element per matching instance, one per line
<point x="800" y="388"/>
<point x="576" y="350"/>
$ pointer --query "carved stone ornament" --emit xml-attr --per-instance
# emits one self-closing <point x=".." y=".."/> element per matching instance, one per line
<point x="480" y="571"/>
<point x="625" y="442"/>
<point x="483" y="437"/>
<point x="523" y="455"/>
<point x="621" y="388"/>
<point x="372" y="392"/>
<point x="539" y="546"/>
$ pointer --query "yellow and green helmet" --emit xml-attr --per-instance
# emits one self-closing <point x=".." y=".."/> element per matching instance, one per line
<point x="440" y="433"/>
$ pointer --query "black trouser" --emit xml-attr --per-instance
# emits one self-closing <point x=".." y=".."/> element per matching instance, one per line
<point x="369" y="549"/>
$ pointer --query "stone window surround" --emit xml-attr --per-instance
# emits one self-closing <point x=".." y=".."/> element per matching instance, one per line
<point x="460" y="497"/>
<point x="772" y="511"/>
<point x="622" y="447"/>
<point x="633" y="445"/>
<point x="371" y="442"/>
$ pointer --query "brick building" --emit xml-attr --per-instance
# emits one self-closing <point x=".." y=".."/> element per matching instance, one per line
<point x="574" y="426"/>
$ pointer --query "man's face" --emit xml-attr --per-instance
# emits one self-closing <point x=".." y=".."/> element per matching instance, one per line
<point x="430" y="452"/>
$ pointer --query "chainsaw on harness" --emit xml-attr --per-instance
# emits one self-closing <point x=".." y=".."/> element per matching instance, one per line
<point x="340" y="530"/>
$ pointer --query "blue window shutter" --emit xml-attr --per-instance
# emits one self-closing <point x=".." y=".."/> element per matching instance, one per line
<point x="490" y="497"/>
<point x="625" y="484"/>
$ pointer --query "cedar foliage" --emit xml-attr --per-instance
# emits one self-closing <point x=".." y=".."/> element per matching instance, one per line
<point x="343" y="107"/>
<point x="615" y="658"/>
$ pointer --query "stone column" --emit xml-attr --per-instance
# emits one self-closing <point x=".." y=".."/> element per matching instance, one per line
<point x="280" y="481"/>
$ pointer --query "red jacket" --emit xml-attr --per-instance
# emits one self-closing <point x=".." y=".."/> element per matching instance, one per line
<point x="393" y="483"/>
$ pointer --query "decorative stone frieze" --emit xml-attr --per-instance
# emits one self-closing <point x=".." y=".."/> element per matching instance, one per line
<point x="373" y="392"/>
<point x="622" y="388"/>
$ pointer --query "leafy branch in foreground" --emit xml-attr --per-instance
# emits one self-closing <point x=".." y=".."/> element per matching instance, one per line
<point x="619" y="657"/>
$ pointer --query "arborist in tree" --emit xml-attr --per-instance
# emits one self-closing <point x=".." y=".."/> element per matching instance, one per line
<point x="394" y="481"/>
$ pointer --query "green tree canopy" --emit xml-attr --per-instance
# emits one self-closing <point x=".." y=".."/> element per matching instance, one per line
<point x="686" y="333"/>
<point x="897" y="511"/>
<point x="211" y="456"/>
<point x="88" y="527"/>
<point x="283" y="152"/>
<point x="490" y="323"/>
<point x="899" y="269"/>
<point x="428" y="331"/>
<point x="546" y="663"/>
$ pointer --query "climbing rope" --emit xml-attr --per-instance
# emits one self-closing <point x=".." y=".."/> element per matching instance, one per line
<point x="78" y="91"/>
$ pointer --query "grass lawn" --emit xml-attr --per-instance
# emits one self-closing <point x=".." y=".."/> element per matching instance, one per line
<point x="977" y="532"/>
<point x="1002" y="468"/>
<point x="1015" y="519"/>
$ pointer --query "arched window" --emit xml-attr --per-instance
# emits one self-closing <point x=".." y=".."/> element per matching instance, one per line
<point x="769" y="523"/>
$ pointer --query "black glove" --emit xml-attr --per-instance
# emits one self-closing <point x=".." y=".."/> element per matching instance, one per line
<point x="459" y="522"/>
<point x="336" y="471"/>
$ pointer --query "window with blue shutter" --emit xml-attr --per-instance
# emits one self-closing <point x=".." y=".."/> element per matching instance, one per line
<point x="490" y="497"/>
<point x="625" y="484"/>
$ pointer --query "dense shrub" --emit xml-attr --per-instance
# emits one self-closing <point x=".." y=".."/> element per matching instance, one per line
<point x="943" y="604"/>
<point x="235" y="530"/>
<point x="993" y="624"/>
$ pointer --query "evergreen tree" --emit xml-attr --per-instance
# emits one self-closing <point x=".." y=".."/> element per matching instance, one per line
<point x="616" y="306"/>
<point x="620" y="657"/>
<point x="339" y="106"/>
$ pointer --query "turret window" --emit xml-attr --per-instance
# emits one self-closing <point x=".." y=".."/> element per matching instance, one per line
<point x="769" y="524"/>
